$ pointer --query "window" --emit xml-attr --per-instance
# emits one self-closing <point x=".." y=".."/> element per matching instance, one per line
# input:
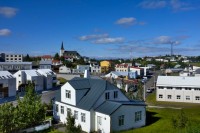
<point x="160" y="87"/>
<point x="19" y="75"/>
<point x="138" y="116"/>
<point x="69" y="111"/>
<point x="178" y="88"/>
<point x="107" y="95"/>
<point x="99" y="120"/>
<point x="178" y="97"/>
<point x="121" y="120"/>
<point x="82" y="117"/>
<point x="188" y="88"/>
<point x="68" y="94"/>
<point x="169" y="96"/>
<point x="160" y="96"/>
<point x="197" y="89"/>
<point x="197" y="98"/>
<point x="169" y="88"/>
<point x="62" y="109"/>
<point x="76" y="114"/>
<point x="187" y="97"/>
<point x="19" y="81"/>
<point x="115" y="94"/>
<point x="57" y="108"/>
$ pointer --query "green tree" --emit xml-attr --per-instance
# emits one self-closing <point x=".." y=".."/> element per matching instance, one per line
<point x="7" y="122"/>
<point x="70" y="126"/>
<point x="56" y="56"/>
<point x="30" y="110"/>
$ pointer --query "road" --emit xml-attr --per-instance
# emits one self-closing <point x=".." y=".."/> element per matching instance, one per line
<point x="46" y="96"/>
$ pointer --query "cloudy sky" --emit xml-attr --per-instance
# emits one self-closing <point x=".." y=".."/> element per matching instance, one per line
<point x="100" y="28"/>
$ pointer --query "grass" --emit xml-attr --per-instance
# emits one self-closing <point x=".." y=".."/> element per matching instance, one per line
<point x="195" y="64"/>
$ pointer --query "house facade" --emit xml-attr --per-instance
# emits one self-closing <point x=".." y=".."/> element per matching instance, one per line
<point x="105" y="66"/>
<point x="94" y="68"/>
<point x="127" y="75"/>
<point x="25" y="76"/>
<point x="178" y="89"/>
<point x="45" y="64"/>
<point x="49" y="78"/>
<point x="7" y="84"/>
<point x="140" y="71"/>
<point x="13" y="58"/>
<point x="97" y="105"/>
<point x="122" y="67"/>
<point x="15" y="66"/>
<point x="64" y="69"/>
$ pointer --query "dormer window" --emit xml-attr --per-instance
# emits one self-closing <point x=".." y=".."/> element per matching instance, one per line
<point x="107" y="95"/>
<point x="68" y="94"/>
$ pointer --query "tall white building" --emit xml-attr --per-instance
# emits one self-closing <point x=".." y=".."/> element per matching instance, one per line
<point x="13" y="58"/>
<point x="178" y="89"/>
<point x="7" y="84"/>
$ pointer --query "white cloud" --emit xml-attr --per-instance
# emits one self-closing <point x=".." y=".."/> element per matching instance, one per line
<point x="126" y="21"/>
<point x="165" y="40"/>
<point x="180" y="6"/>
<point x="5" y="32"/>
<point x="153" y="4"/>
<point x="92" y="37"/>
<point x="8" y="11"/>
<point x="109" y="40"/>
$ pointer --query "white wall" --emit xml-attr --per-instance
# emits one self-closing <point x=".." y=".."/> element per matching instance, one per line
<point x="129" y="117"/>
<point x="72" y="100"/>
<point x="11" y="84"/>
<point x="105" y="123"/>
<point x="173" y="92"/>
<point x="86" y="126"/>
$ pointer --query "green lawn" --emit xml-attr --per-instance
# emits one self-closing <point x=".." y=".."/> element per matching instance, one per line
<point x="160" y="120"/>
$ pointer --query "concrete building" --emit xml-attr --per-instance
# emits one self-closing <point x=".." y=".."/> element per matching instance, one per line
<point x="97" y="105"/>
<point x="25" y="76"/>
<point x="45" y="64"/>
<point x="64" y="69"/>
<point x="178" y="89"/>
<point x="7" y="84"/>
<point x="49" y="78"/>
<point x="13" y="58"/>
<point x="15" y="66"/>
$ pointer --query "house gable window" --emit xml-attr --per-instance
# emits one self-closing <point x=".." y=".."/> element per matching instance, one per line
<point x="68" y="94"/>
<point x="82" y="117"/>
<point x="138" y="116"/>
<point x="121" y="120"/>
<point x="107" y="95"/>
<point x="62" y="109"/>
<point x="115" y="94"/>
<point x="76" y="114"/>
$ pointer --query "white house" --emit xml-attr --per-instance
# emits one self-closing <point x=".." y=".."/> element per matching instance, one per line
<point x="178" y="89"/>
<point x="25" y="76"/>
<point x="115" y="74"/>
<point x="45" y="64"/>
<point x="49" y="78"/>
<point x="7" y="84"/>
<point x="140" y="71"/>
<point x="94" y="68"/>
<point x="97" y="105"/>
<point x="64" y="69"/>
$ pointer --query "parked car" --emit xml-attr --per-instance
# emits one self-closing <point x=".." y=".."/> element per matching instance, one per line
<point x="149" y="90"/>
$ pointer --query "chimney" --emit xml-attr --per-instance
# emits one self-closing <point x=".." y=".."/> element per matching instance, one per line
<point x="87" y="74"/>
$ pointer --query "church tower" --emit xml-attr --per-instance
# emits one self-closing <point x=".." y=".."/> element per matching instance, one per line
<point x="62" y="50"/>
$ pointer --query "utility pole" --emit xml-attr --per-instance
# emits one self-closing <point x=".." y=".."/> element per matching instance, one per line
<point x="144" y="93"/>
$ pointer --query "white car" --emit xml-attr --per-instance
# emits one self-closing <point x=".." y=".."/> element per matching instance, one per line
<point x="149" y="90"/>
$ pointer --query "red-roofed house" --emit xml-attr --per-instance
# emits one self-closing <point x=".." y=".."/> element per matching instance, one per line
<point x="46" y="57"/>
<point x="122" y="67"/>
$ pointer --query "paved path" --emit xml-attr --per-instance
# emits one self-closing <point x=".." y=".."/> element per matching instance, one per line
<point x="162" y="107"/>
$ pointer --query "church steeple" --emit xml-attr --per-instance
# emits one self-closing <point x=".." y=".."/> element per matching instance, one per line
<point x="62" y="50"/>
<point x="62" y="47"/>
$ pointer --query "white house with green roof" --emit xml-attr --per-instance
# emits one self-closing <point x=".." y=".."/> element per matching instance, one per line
<point x="98" y="105"/>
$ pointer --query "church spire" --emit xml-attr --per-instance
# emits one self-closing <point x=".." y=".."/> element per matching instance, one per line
<point x="62" y="47"/>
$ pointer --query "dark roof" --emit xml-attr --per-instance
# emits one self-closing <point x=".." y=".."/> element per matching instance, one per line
<point x="93" y="90"/>
<point x="108" y="107"/>
<point x="72" y="52"/>
<point x="62" y="47"/>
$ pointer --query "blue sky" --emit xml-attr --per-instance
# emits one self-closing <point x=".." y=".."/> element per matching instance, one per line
<point x="100" y="28"/>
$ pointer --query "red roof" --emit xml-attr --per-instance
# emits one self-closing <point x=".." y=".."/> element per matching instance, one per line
<point x="124" y="65"/>
<point x="54" y="61"/>
<point x="136" y="67"/>
<point x="46" y="56"/>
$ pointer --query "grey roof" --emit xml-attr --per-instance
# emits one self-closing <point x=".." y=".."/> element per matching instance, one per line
<point x="72" y="52"/>
<point x="47" y="62"/>
<point x="15" y="63"/>
<point x="108" y="107"/>
<point x="197" y="71"/>
<point x="178" y="81"/>
<point x="95" y="89"/>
